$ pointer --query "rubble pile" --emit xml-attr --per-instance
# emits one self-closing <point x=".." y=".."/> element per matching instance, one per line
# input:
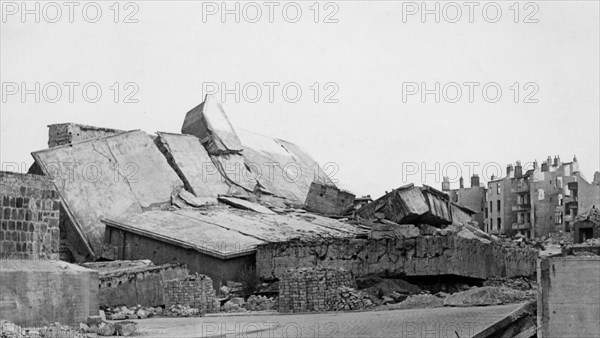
<point x="56" y="330"/>
<point x="136" y="312"/>
<point x="194" y="291"/>
<point x="420" y="301"/>
<point x="386" y="291"/>
<point x="260" y="303"/>
<point x="312" y="289"/>
<point x="347" y="298"/>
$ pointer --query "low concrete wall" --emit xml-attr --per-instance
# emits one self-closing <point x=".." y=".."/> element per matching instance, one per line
<point x="33" y="293"/>
<point x="420" y="256"/>
<point x="569" y="297"/>
<point x="138" y="285"/>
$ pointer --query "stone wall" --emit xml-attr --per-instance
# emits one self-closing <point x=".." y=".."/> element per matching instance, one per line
<point x="29" y="216"/>
<point x="328" y="200"/>
<point x="311" y="289"/>
<point x="195" y="291"/>
<point x="67" y="133"/>
<point x="142" y="285"/>
<point x="420" y="256"/>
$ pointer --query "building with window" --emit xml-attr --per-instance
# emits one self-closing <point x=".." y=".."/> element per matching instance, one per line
<point x="472" y="197"/>
<point x="540" y="201"/>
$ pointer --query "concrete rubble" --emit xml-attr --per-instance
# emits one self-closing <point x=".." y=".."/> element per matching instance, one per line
<point x="196" y="227"/>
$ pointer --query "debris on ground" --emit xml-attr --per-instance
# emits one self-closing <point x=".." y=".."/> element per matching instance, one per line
<point x="56" y="330"/>
<point x="421" y="301"/>
<point x="387" y="290"/>
<point x="260" y="303"/>
<point x="483" y="296"/>
<point x="347" y="298"/>
<point x="139" y="312"/>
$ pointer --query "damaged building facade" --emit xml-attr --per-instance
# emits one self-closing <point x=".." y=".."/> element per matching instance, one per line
<point x="539" y="201"/>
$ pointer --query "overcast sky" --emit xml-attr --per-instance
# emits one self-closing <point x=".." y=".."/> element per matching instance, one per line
<point x="366" y="57"/>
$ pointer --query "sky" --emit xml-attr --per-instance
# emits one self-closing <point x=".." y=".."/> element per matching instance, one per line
<point x="354" y="83"/>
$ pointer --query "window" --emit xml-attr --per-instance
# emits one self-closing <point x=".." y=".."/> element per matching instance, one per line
<point x="498" y="205"/>
<point x="560" y="199"/>
<point x="558" y="217"/>
<point x="559" y="182"/>
<point x="520" y="218"/>
<point x="498" y="188"/>
<point x="499" y="222"/>
<point x="528" y="218"/>
<point x="491" y="206"/>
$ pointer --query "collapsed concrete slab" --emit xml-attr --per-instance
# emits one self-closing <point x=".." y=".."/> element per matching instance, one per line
<point x="205" y="175"/>
<point x="416" y="256"/>
<point x="415" y="205"/>
<point x="209" y="123"/>
<point x="219" y="242"/>
<point x="328" y="200"/>
<point x="107" y="177"/>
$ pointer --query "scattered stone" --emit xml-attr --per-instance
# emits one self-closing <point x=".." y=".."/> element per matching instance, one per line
<point x="483" y="296"/>
<point x="126" y="328"/>
<point x="106" y="329"/>
<point x="421" y="301"/>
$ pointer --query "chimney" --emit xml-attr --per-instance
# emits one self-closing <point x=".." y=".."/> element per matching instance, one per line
<point x="509" y="169"/>
<point x="557" y="161"/>
<point x="518" y="170"/>
<point x="474" y="181"/>
<point x="446" y="184"/>
<point x="574" y="158"/>
<point x="461" y="182"/>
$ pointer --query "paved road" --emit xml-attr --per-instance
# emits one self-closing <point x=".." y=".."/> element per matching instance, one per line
<point x="416" y="323"/>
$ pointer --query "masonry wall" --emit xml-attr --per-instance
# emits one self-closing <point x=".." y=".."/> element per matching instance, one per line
<point x="566" y="307"/>
<point x="141" y="285"/>
<point x="311" y="289"/>
<point x="29" y="217"/>
<point x="328" y="200"/>
<point x="195" y="291"/>
<point x="420" y="256"/>
<point x="66" y="133"/>
<point x="128" y="246"/>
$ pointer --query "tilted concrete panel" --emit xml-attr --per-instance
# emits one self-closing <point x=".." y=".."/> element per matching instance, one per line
<point x="108" y="177"/>
<point x="209" y="123"/>
<point x="205" y="175"/>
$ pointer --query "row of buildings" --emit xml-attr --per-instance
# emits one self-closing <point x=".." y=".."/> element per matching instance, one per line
<point x="534" y="202"/>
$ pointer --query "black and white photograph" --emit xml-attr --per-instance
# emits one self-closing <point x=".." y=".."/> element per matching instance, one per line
<point x="306" y="168"/>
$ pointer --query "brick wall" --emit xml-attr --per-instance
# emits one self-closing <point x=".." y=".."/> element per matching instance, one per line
<point x="195" y="291"/>
<point x="29" y="217"/>
<point x="311" y="289"/>
<point x="66" y="133"/>
<point x="328" y="200"/>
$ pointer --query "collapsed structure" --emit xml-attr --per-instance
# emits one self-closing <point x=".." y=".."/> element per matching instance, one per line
<point x="228" y="204"/>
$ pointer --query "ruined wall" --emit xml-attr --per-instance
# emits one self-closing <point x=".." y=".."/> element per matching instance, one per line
<point x="328" y="200"/>
<point x="140" y="285"/>
<point x="311" y="289"/>
<point x="566" y="307"/>
<point x="195" y="291"/>
<point x="37" y="292"/>
<point x="66" y="133"/>
<point x="420" y="256"/>
<point x="128" y="246"/>
<point x="29" y="216"/>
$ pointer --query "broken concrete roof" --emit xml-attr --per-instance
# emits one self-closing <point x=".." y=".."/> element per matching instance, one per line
<point x="413" y="205"/>
<point x="224" y="232"/>
<point x="202" y="174"/>
<point x="108" y="177"/>
<point x="210" y="124"/>
<point x="592" y="215"/>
